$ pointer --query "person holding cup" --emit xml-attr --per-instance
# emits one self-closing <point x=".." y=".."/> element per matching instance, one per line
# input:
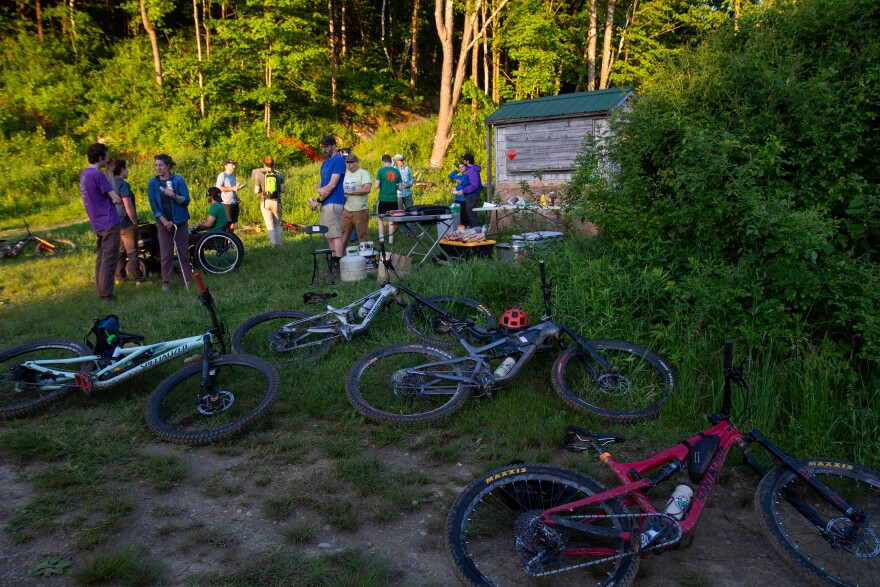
<point x="169" y="200"/>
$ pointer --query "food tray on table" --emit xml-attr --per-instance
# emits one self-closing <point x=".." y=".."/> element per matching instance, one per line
<point x="462" y="250"/>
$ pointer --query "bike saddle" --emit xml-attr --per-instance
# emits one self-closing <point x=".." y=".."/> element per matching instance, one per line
<point x="577" y="439"/>
<point x="313" y="299"/>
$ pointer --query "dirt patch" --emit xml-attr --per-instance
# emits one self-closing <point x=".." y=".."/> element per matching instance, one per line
<point x="214" y="520"/>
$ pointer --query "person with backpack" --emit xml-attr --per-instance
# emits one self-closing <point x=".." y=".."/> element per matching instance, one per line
<point x="269" y="185"/>
<point x="471" y="192"/>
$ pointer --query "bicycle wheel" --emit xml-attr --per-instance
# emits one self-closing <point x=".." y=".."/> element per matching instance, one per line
<point x="220" y="252"/>
<point x="379" y="387"/>
<point x="829" y="551"/>
<point x="265" y="336"/>
<point x="635" y="390"/>
<point x="56" y="246"/>
<point x="430" y="327"/>
<point x="24" y="391"/>
<point x="494" y="536"/>
<point x="180" y="411"/>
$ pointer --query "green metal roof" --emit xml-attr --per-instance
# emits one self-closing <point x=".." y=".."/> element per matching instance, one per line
<point x="561" y="106"/>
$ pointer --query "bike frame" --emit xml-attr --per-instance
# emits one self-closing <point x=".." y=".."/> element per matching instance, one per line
<point x="526" y="342"/>
<point x="123" y="359"/>
<point x="18" y="246"/>
<point x="634" y="485"/>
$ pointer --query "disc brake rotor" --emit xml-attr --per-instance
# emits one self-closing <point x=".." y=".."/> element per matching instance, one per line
<point x="216" y="403"/>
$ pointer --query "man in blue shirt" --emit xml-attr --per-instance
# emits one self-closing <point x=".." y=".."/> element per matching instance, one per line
<point x="331" y="196"/>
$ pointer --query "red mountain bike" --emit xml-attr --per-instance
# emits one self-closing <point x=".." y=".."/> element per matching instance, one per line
<point x="541" y="524"/>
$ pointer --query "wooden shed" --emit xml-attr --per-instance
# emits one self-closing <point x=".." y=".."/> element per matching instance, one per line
<point x="543" y="136"/>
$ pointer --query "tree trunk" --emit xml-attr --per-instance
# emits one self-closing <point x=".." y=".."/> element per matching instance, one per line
<point x="343" y="50"/>
<point x="450" y="86"/>
<point x="475" y="53"/>
<point x="606" y="47"/>
<point x="199" y="53"/>
<point x="154" y="43"/>
<point x="414" y="56"/>
<point x="591" y="49"/>
<point x="73" y="34"/>
<point x="332" y="54"/>
<point x="39" y="22"/>
<point x="485" y="53"/>
<point x="206" y="10"/>
<point x="496" y="69"/>
<point x="267" y="108"/>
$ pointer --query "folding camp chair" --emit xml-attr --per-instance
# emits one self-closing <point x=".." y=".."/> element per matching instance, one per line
<point x="312" y="231"/>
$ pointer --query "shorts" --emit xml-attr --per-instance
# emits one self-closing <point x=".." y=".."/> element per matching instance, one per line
<point x="232" y="212"/>
<point x="331" y="217"/>
<point x="384" y="207"/>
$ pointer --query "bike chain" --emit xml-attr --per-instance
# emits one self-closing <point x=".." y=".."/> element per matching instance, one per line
<point x="616" y="556"/>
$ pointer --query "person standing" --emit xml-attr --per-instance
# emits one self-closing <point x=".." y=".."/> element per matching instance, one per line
<point x="128" y="227"/>
<point x="471" y="192"/>
<point x="331" y="197"/>
<point x="100" y="200"/>
<point x="388" y="183"/>
<point x="269" y="185"/>
<point x="229" y="187"/>
<point x="169" y="201"/>
<point x="404" y="194"/>
<point x="356" y="212"/>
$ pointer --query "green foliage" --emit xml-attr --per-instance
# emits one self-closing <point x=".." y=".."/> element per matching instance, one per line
<point x="755" y="156"/>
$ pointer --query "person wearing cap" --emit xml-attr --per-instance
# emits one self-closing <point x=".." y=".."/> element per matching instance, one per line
<point x="331" y="197"/>
<point x="270" y="203"/>
<point x="404" y="194"/>
<point x="357" y="184"/>
<point x="229" y="191"/>
<point x="388" y="184"/>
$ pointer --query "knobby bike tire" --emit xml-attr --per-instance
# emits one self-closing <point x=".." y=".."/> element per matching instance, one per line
<point x="492" y="530"/>
<point x="799" y="542"/>
<point x="62" y="247"/>
<point x="642" y="385"/>
<point x="428" y="327"/>
<point x="378" y="388"/>
<point x="219" y="252"/>
<point x="261" y="336"/>
<point x="249" y="384"/>
<point x="19" y="395"/>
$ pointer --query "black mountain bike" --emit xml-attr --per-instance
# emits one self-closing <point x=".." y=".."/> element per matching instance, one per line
<point x="412" y="382"/>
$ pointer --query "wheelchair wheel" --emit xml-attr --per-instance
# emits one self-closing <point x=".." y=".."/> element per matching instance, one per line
<point x="219" y="252"/>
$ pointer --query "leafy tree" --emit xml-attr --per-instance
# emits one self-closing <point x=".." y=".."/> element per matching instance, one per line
<point x="757" y="157"/>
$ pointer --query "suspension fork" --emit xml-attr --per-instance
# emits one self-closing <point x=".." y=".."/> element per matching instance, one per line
<point x="854" y="514"/>
<point x="588" y="348"/>
<point x="207" y="353"/>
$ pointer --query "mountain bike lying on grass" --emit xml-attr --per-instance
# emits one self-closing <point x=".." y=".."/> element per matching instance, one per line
<point x="216" y="396"/>
<point x="411" y="383"/>
<point x="541" y="524"/>
<point x="291" y="336"/>
<point x="46" y="247"/>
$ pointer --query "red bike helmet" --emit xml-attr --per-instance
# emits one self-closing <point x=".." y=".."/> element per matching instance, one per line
<point x="513" y="320"/>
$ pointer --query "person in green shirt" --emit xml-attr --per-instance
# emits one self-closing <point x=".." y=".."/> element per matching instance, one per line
<point x="216" y="220"/>
<point x="388" y="183"/>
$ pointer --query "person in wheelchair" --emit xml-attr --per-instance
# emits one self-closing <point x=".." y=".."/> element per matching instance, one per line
<point x="217" y="221"/>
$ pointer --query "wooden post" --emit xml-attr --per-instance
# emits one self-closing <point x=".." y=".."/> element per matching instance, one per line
<point x="490" y="190"/>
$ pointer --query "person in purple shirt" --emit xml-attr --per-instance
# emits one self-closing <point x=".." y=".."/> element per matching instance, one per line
<point x="100" y="200"/>
<point x="471" y="191"/>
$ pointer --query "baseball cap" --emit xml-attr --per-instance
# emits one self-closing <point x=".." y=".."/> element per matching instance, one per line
<point x="399" y="157"/>
<point x="351" y="158"/>
<point x="267" y="160"/>
<point x="228" y="161"/>
<point x="328" y="140"/>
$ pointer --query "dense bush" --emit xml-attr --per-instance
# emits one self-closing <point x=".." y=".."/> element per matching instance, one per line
<point x="757" y="157"/>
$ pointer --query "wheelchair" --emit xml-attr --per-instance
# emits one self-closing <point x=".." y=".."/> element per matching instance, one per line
<point x="216" y="252"/>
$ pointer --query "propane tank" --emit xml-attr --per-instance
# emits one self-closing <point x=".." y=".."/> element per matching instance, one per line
<point x="352" y="267"/>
